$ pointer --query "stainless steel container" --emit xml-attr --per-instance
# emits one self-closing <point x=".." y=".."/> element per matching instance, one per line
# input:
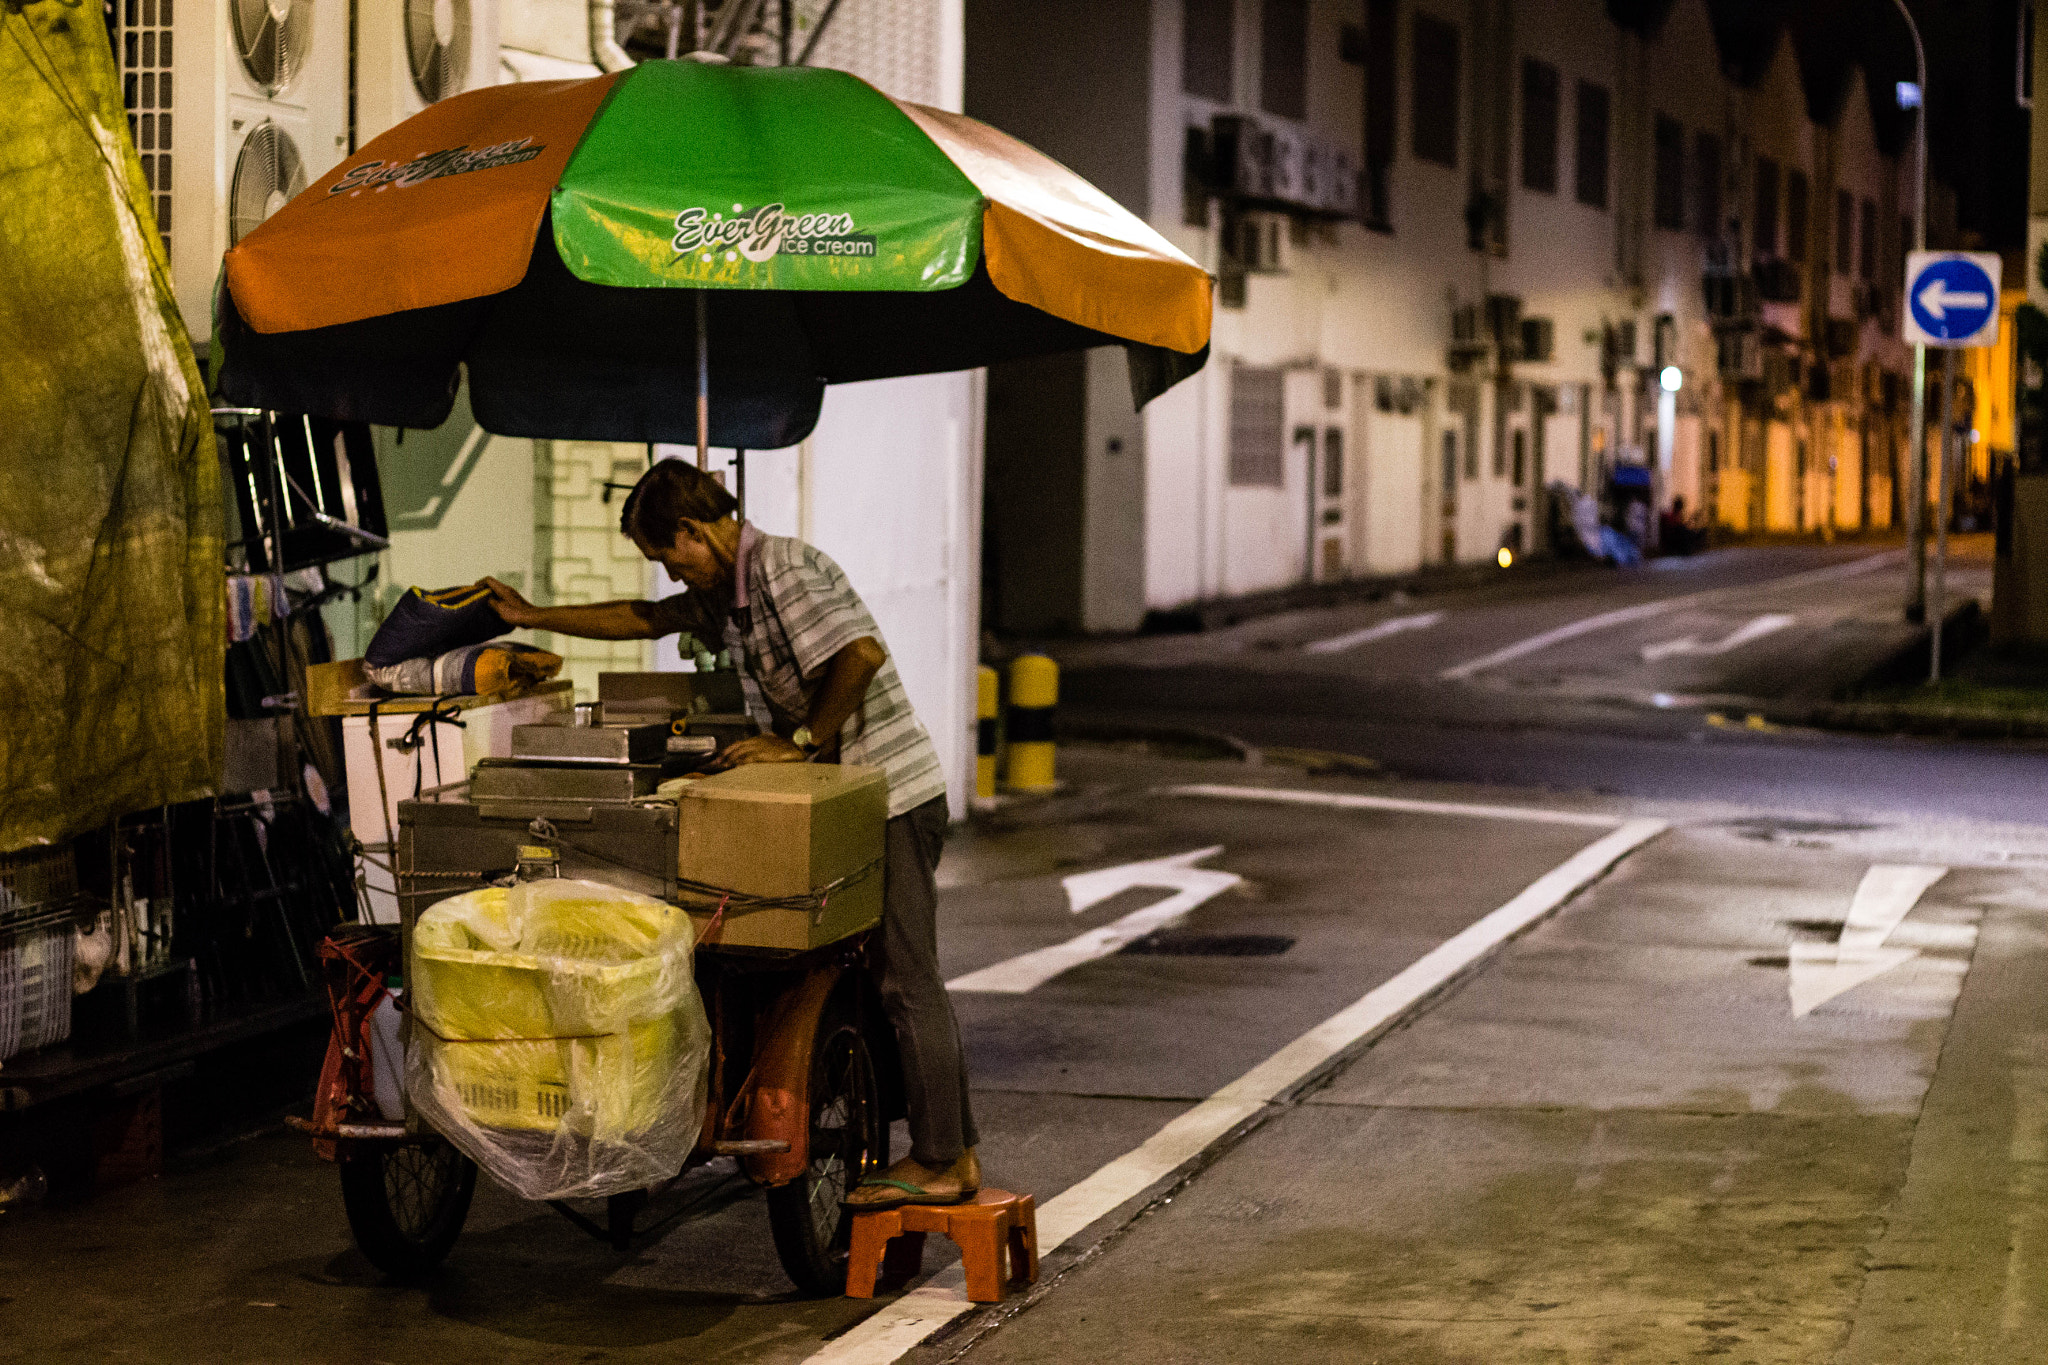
<point x="641" y="742"/>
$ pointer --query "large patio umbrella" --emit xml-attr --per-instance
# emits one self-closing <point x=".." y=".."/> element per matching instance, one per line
<point x="570" y="242"/>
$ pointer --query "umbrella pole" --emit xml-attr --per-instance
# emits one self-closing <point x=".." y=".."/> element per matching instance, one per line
<point x="703" y="387"/>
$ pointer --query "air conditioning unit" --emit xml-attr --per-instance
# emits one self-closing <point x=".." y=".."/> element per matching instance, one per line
<point x="1329" y="178"/>
<point x="1253" y="242"/>
<point x="1779" y="281"/>
<point x="1741" y="354"/>
<point x="1493" y="326"/>
<point x="1274" y="162"/>
<point x="1504" y="324"/>
<point x="235" y="106"/>
<point x="1729" y="298"/>
<point x="410" y="53"/>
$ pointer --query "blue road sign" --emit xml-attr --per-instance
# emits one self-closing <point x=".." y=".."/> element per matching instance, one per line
<point x="1951" y="299"/>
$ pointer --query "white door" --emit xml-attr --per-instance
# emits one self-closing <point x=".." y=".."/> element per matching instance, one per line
<point x="1329" y="475"/>
<point x="1391" y="519"/>
<point x="1518" y="466"/>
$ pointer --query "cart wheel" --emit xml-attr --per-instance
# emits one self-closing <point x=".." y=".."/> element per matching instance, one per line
<point x="849" y="1140"/>
<point x="406" y="1202"/>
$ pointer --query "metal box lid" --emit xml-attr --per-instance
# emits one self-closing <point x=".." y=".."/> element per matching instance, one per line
<point x="669" y="693"/>
<point x="555" y="742"/>
<point x="502" y="779"/>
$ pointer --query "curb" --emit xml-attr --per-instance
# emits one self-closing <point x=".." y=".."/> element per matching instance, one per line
<point x="1963" y="627"/>
<point x="1207" y="743"/>
<point x="1949" y="722"/>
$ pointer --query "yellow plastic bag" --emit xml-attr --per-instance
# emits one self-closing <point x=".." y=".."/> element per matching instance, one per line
<point x="558" y="1036"/>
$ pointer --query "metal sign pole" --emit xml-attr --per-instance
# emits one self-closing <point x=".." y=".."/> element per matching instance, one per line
<point x="1940" y="604"/>
<point x="1916" y="494"/>
<point x="703" y="385"/>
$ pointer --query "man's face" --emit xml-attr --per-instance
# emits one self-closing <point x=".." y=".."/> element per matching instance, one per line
<point x="688" y="560"/>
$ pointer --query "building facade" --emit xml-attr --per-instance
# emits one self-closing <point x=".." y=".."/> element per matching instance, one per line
<point x="1473" y="256"/>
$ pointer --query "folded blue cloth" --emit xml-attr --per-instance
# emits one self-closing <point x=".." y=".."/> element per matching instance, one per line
<point x="425" y="625"/>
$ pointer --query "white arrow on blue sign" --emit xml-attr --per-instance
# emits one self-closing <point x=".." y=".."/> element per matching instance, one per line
<point x="1952" y="298"/>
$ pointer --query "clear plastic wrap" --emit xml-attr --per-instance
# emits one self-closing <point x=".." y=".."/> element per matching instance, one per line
<point x="557" y="1036"/>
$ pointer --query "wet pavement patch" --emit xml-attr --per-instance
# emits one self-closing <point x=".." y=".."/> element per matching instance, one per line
<point x="1209" y="945"/>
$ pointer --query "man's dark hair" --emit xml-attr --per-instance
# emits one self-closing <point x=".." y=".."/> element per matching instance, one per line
<point x="672" y="492"/>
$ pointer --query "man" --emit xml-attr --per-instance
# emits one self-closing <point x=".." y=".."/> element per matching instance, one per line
<point x="817" y="675"/>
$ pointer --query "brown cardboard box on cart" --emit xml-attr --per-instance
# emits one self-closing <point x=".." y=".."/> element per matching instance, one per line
<point x="784" y="829"/>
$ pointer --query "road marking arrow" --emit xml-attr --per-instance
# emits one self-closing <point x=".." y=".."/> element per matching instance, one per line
<point x="1191" y="886"/>
<point x="1755" y="630"/>
<point x="1336" y="644"/>
<point x="1821" y="971"/>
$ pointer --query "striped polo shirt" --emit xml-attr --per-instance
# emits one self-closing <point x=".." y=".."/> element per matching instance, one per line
<point x="793" y="609"/>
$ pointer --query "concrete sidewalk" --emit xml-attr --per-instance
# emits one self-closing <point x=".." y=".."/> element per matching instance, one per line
<point x="1617" y="1144"/>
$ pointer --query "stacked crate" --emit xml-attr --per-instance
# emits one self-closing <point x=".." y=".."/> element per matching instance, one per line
<point x="38" y="902"/>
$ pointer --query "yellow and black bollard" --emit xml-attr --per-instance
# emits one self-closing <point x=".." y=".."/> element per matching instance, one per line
<point x="1034" y="693"/>
<point x="986" y="710"/>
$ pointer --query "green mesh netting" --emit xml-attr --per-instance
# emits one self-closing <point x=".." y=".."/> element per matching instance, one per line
<point x="111" y="631"/>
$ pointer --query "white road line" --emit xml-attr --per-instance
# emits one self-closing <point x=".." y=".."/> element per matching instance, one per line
<point x="1644" y="610"/>
<point x="1886" y="895"/>
<point x="1755" y="629"/>
<point x="1818" y="972"/>
<point x="1191" y="886"/>
<point x="1548" y="638"/>
<point x="898" y="1327"/>
<point x="1346" y="800"/>
<point x="1337" y="644"/>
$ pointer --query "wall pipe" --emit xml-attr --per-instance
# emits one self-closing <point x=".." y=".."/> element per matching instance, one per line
<point x="604" y="38"/>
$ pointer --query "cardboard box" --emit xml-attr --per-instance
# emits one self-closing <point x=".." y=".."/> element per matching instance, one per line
<point x="784" y="829"/>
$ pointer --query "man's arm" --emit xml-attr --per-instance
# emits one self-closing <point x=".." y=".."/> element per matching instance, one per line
<point x="620" y="620"/>
<point x="843" y="688"/>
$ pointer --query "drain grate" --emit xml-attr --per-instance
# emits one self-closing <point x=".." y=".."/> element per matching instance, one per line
<point x="1210" y="945"/>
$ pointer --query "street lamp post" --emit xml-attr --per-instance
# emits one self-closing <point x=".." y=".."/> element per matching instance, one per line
<point x="1916" y="495"/>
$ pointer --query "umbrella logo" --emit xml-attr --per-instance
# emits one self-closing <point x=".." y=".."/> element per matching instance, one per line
<point x="768" y="231"/>
<point x="435" y="165"/>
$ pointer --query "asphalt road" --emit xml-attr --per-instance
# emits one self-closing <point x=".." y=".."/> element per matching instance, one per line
<point x="1639" y="683"/>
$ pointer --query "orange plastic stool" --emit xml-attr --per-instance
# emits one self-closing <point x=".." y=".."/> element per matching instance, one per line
<point x="889" y="1245"/>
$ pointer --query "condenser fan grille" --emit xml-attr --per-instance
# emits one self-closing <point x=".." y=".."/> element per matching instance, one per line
<point x="273" y="38"/>
<point x="267" y="174"/>
<point x="437" y="46"/>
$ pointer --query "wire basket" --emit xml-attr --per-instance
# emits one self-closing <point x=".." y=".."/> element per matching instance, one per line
<point x="34" y="879"/>
<point x="35" y="990"/>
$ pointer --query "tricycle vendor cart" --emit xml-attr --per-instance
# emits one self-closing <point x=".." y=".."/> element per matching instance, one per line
<point x="801" y="1078"/>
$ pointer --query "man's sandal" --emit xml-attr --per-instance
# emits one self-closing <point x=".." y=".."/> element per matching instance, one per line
<point x="912" y="1194"/>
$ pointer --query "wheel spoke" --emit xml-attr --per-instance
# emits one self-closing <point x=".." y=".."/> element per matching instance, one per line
<point x="416" y="1181"/>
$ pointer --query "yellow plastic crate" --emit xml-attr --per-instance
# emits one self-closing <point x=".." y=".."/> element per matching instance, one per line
<point x="557" y="1006"/>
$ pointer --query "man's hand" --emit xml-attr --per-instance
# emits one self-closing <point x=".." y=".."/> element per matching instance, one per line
<point x="759" y="749"/>
<point x="515" y="610"/>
